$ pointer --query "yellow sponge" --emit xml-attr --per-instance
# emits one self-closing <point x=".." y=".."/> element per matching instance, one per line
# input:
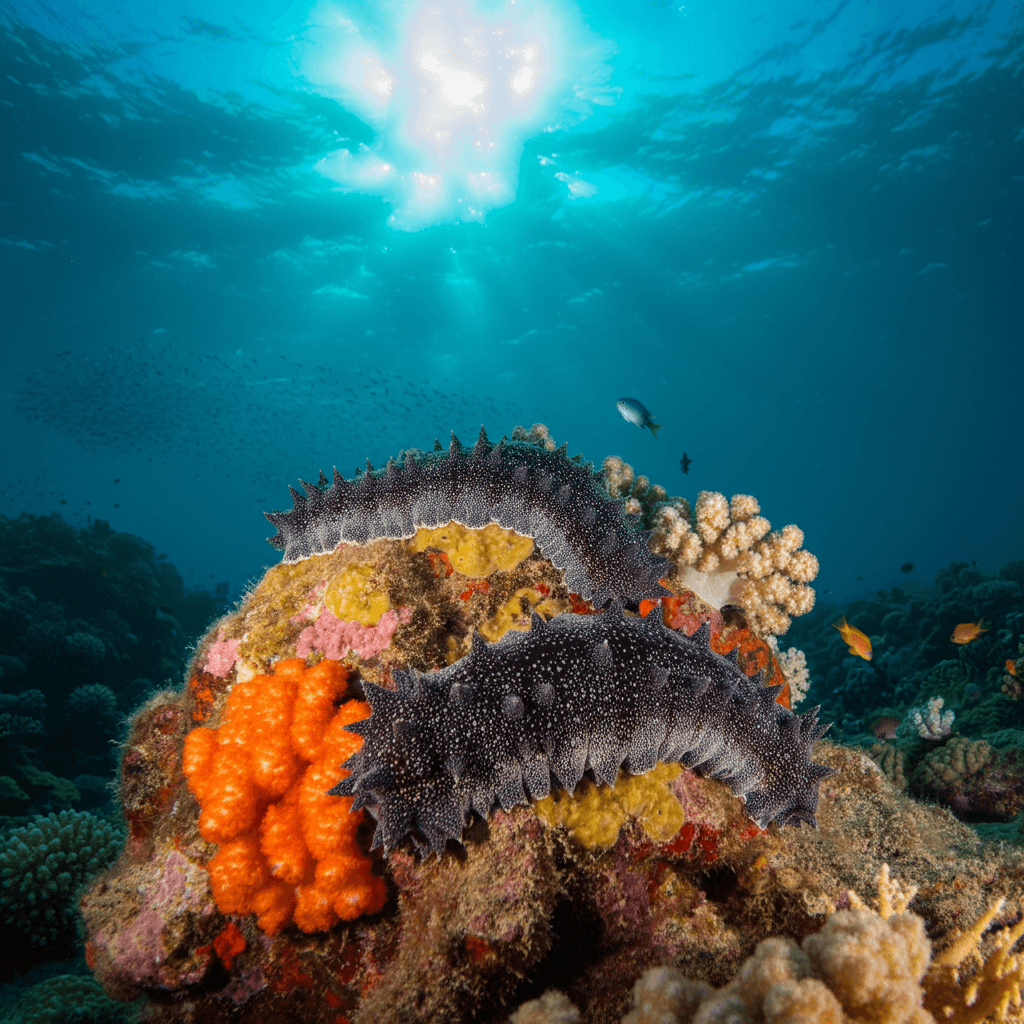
<point x="476" y="553"/>
<point x="512" y="616"/>
<point x="594" y="814"/>
<point x="351" y="597"/>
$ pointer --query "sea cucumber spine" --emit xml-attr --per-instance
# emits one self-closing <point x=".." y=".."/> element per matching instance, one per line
<point x="557" y="501"/>
<point x="582" y="692"/>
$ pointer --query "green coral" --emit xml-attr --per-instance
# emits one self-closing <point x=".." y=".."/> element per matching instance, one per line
<point x="70" y="997"/>
<point x="62" y="793"/>
<point x="42" y="867"/>
<point x="92" y="702"/>
<point x="996" y="712"/>
<point x="947" y="680"/>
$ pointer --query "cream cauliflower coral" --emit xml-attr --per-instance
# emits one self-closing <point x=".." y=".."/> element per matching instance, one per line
<point x="726" y="553"/>
<point x="793" y="663"/>
<point x="722" y="549"/>
<point x="865" y="966"/>
<point x="641" y="496"/>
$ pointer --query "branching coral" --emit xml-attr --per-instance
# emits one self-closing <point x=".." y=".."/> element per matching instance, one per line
<point x="931" y="722"/>
<point x="793" y="663"/>
<point x="288" y="850"/>
<point x="865" y="965"/>
<point x="870" y="966"/>
<point x="725" y="554"/>
<point x="43" y="865"/>
<point x="956" y="993"/>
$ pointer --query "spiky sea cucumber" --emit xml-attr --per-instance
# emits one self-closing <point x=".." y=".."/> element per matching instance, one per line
<point x="521" y="486"/>
<point x="580" y="692"/>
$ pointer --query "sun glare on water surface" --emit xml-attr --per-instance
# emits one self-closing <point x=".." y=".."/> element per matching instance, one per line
<point x="451" y="100"/>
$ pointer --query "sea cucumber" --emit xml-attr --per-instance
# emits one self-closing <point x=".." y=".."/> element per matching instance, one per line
<point x="597" y="692"/>
<point x="557" y="501"/>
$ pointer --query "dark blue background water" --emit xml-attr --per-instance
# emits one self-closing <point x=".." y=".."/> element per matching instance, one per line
<point x="794" y="231"/>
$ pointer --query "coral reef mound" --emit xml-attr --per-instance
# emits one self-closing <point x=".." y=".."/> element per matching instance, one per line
<point x="597" y="692"/>
<point x="247" y="893"/>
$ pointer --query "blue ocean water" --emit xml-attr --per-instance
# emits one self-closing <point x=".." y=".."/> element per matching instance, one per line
<point x="241" y="248"/>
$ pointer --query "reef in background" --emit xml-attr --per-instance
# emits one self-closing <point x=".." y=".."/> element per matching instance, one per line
<point x="245" y="893"/>
<point x="944" y="720"/>
<point x="92" y="623"/>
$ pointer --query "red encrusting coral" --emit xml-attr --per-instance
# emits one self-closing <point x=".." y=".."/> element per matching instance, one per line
<point x="754" y="653"/>
<point x="445" y="567"/>
<point x="287" y="850"/>
<point x="228" y="944"/>
<point x="203" y="697"/>
<point x="581" y="607"/>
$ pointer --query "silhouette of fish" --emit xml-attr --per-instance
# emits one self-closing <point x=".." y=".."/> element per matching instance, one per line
<point x="684" y="463"/>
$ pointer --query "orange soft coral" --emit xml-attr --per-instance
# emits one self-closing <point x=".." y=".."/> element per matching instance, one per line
<point x="288" y="851"/>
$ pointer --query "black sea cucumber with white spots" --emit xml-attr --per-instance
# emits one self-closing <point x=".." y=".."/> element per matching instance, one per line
<point x="520" y="486"/>
<point x="578" y="693"/>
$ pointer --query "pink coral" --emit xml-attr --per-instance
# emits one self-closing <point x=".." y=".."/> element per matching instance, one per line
<point x="221" y="657"/>
<point x="334" y="638"/>
<point x="313" y="602"/>
<point x="144" y="946"/>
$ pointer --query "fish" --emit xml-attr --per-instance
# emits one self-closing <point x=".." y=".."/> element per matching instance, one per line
<point x="1011" y="666"/>
<point x="968" y="631"/>
<point x="684" y="463"/>
<point x="884" y="727"/>
<point x="634" y="411"/>
<point x="907" y="567"/>
<point x="860" y="643"/>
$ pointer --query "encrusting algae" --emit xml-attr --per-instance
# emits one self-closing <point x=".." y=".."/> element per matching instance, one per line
<point x="516" y="612"/>
<point x="247" y="893"/>
<point x="351" y="596"/>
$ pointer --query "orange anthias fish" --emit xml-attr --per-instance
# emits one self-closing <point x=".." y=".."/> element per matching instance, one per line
<point x="968" y="631"/>
<point x="1011" y="666"/>
<point x="860" y="643"/>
